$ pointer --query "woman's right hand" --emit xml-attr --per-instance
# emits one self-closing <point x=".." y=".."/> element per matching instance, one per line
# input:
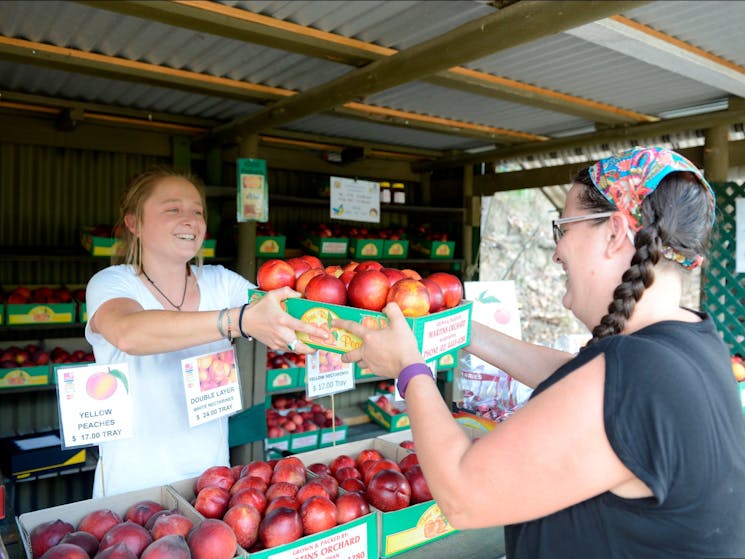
<point x="268" y="322"/>
<point x="384" y="351"/>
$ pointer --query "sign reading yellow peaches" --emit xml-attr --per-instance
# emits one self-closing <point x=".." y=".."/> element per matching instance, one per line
<point x="95" y="404"/>
<point x="211" y="386"/>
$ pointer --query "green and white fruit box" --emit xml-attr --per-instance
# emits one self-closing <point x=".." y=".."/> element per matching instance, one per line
<point x="273" y="246"/>
<point x="356" y="538"/>
<point x="208" y="248"/>
<point x="277" y="444"/>
<point x="98" y="246"/>
<point x="333" y="436"/>
<point x="307" y="440"/>
<point x="40" y="313"/>
<point x="366" y="249"/>
<point x="395" y="248"/>
<point x="74" y="512"/>
<point x="281" y="379"/>
<point x="436" y="333"/>
<point x="387" y="420"/>
<point x="435" y="249"/>
<point x="400" y="530"/>
<point x="19" y="377"/>
<point x="332" y="247"/>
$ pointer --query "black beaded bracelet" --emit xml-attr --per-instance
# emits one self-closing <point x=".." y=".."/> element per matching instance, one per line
<point x="240" y="323"/>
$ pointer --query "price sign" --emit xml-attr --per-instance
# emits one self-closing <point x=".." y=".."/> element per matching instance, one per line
<point x="355" y="200"/>
<point x="211" y="386"/>
<point x="95" y="404"/>
<point x="327" y="374"/>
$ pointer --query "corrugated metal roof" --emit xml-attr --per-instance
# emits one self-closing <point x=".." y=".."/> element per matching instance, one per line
<point x="560" y="63"/>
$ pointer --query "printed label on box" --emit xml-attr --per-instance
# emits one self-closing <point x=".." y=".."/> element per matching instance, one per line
<point x="444" y="334"/>
<point x="95" y="404"/>
<point x="211" y="385"/>
<point x="350" y="543"/>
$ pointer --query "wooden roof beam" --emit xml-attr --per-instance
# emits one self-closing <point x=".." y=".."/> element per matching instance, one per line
<point x="471" y="41"/>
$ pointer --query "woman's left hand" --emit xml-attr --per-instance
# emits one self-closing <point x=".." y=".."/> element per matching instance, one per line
<point x="385" y="351"/>
<point x="268" y="322"/>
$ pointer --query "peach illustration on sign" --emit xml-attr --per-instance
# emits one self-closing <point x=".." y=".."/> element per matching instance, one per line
<point x="102" y="384"/>
<point x="217" y="369"/>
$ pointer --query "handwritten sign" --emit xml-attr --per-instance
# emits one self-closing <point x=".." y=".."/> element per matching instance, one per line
<point x="95" y="404"/>
<point x="326" y="374"/>
<point x="355" y="200"/>
<point x="211" y="386"/>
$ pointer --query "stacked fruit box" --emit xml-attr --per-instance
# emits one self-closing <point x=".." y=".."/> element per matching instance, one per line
<point x="303" y="522"/>
<point x="437" y="333"/>
<point x="409" y="518"/>
<point x="390" y="414"/>
<point x="39" y="304"/>
<point x="113" y="521"/>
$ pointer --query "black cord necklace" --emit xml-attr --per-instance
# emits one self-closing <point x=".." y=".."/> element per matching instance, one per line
<point x="183" y="296"/>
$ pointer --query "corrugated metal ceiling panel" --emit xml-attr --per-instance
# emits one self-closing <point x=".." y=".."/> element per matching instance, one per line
<point x="362" y="130"/>
<point x="424" y="98"/>
<point x="570" y="65"/>
<point x="693" y="22"/>
<point x="399" y="24"/>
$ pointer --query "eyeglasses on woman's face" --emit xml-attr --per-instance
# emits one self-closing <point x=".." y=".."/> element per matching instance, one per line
<point x="557" y="223"/>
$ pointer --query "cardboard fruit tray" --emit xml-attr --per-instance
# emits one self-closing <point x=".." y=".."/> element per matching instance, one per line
<point x="436" y="333"/>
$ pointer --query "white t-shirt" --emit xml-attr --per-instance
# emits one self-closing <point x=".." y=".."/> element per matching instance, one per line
<point x="164" y="448"/>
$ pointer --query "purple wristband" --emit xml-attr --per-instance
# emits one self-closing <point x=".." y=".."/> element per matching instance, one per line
<point x="409" y="373"/>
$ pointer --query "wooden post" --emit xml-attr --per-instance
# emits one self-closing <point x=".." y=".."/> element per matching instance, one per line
<point x="251" y="355"/>
<point x="716" y="153"/>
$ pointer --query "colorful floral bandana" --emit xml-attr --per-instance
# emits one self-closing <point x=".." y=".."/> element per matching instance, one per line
<point x="629" y="177"/>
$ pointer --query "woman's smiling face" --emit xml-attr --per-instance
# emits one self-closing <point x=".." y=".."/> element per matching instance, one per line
<point x="173" y="223"/>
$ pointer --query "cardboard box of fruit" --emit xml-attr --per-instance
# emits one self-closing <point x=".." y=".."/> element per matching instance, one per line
<point x="398" y="248"/>
<point x="270" y="245"/>
<point x="409" y="518"/>
<point x="365" y="249"/>
<point x="384" y="410"/>
<point x="208" y="248"/>
<point x="437" y="333"/>
<point x="309" y="521"/>
<point x="119" y="519"/>
<point x="99" y="240"/>
<point x="434" y="249"/>
<point x="333" y="247"/>
<point x="24" y="364"/>
<point x="42" y="304"/>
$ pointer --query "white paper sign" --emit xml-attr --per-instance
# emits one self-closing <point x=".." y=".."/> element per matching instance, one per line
<point x="211" y="386"/>
<point x="740" y="235"/>
<point x="495" y="305"/>
<point x="95" y="404"/>
<point x="326" y="374"/>
<point x="355" y="200"/>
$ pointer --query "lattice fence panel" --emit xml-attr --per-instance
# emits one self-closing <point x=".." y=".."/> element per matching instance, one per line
<point x="724" y="289"/>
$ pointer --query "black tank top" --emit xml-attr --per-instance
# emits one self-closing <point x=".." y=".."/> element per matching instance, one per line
<point x="673" y="416"/>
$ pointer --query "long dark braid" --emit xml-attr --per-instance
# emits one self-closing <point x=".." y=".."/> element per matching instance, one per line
<point x="676" y="214"/>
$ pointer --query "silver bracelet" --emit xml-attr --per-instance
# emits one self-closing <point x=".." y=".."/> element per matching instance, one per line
<point x="220" y="316"/>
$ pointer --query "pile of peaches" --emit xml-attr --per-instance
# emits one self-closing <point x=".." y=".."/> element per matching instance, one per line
<point x="147" y="530"/>
<point x="275" y="502"/>
<point x="290" y="415"/>
<point x="366" y="285"/>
